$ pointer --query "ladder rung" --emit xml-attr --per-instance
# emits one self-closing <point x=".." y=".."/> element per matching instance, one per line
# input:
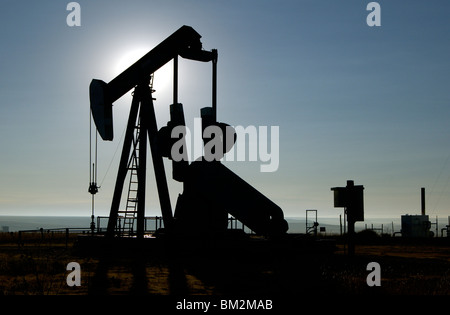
<point x="127" y="212"/>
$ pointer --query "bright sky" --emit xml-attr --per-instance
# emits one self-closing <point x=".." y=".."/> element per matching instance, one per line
<point x="370" y="104"/>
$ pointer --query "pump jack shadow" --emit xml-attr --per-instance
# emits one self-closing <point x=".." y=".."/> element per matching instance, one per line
<point x="211" y="267"/>
<point x="138" y="271"/>
<point x="260" y="268"/>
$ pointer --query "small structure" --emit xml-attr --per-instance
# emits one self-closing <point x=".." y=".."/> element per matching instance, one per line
<point x="351" y="198"/>
<point x="446" y="229"/>
<point x="416" y="226"/>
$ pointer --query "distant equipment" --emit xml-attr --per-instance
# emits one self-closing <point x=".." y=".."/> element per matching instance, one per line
<point x="447" y="228"/>
<point x="311" y="227"/>
<point x="417" y="226"/>
<point x="351" y="198"/>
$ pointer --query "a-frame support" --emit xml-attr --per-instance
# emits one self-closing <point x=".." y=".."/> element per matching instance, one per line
<point x="141" y="108"/>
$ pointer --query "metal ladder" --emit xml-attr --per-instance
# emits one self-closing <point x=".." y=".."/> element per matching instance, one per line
<point x="129" y="214"/>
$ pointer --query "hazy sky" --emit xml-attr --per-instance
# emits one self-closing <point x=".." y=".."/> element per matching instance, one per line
<point x="370" y="104"/>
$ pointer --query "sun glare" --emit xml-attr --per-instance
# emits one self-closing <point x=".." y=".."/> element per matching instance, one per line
<point x="162" y="77"/>
<point x="128" y="58"/>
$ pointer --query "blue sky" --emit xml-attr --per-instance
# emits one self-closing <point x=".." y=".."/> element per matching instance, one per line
<point x="370" y="104"/>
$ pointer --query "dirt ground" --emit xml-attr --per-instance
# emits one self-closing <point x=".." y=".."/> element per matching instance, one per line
<point x="38" y="267"/>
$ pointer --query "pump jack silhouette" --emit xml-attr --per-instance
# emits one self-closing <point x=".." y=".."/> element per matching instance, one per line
<point x="210" y="190"/>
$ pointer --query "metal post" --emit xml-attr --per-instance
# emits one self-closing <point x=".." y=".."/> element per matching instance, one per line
<point x="351" y="237"/>
<point x="351" y="220"/>
<point x="122" y="173"/>
<point x="437" y="226"/>
<point x="142" y="168"/>
<point x="422" y="192"/>
<point x="158" y="164"/>
<point x="214" y="84"/>
<point x="175" y="79"/>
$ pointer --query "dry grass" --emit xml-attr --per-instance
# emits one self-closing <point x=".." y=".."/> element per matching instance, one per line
<point x="34" y="263"/>
<point x="406" y="269"/>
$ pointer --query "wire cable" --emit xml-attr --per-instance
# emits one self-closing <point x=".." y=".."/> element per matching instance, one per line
<point x="112" y="159"/>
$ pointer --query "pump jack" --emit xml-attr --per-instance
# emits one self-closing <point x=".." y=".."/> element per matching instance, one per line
<point x="211" y="191"/>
